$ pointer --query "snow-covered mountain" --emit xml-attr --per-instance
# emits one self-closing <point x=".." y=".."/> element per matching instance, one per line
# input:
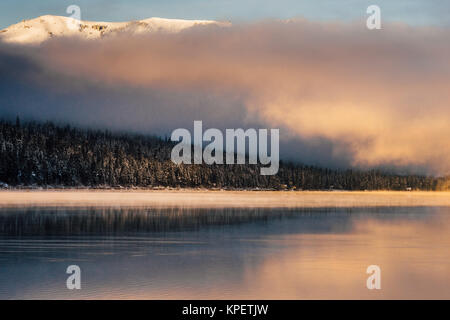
<point x="38" y="30"/>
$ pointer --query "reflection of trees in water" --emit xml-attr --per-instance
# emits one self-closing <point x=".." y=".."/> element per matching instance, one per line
<point x="114" y="220"/>
<point x="47" y="221"/>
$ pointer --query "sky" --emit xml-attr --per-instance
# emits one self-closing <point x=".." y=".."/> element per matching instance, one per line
<point x="342" y="95"/>
<point x="414" y="12"/>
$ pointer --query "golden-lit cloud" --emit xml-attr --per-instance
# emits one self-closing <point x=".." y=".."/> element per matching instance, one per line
<point x="381" y="97"/>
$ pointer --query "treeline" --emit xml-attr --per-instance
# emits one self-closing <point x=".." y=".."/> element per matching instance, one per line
<point x="44" y="154"/>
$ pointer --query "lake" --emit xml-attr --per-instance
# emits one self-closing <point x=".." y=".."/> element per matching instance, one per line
<point x="179" y="252"/>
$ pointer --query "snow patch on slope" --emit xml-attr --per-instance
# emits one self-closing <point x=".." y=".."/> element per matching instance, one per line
<point x="38" y="30"/>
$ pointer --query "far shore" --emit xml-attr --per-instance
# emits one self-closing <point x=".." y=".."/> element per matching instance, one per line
<point x="221" y="199"/>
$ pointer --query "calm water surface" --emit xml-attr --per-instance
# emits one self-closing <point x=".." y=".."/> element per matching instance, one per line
<point x="149" y="253"/>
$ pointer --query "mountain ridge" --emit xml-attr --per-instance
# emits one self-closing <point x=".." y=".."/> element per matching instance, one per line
<point x="43" y="28"/>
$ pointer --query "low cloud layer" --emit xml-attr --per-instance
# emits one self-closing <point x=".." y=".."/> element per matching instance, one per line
<point x="341" y="95"/>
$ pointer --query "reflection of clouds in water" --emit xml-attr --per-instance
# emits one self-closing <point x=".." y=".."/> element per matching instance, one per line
<point x="413" y="256"/>
<point x="290" y="254"/>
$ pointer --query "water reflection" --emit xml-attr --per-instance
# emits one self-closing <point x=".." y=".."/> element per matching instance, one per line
<point x="112" y="220"/>
<point x="225" y="253"/>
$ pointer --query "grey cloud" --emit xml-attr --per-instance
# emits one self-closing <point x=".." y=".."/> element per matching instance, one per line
<point x="340" y="94"/>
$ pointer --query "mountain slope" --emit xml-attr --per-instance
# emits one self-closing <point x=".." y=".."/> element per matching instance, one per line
<point x="38" y="30"/>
